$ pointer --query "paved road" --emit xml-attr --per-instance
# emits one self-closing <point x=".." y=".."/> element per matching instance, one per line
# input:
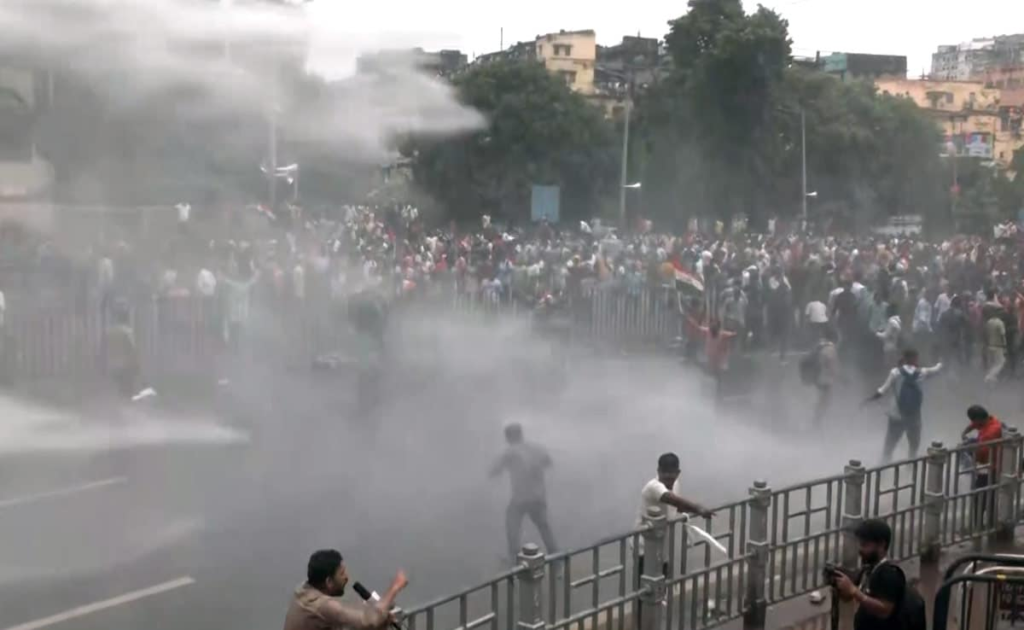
<point x="182" y="521"/>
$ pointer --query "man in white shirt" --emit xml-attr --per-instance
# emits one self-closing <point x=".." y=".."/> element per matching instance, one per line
<point x="816" y="314"/>
<point x="660" y="493"/>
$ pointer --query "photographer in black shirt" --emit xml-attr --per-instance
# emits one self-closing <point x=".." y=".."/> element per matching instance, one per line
<point x="883" y="585"/>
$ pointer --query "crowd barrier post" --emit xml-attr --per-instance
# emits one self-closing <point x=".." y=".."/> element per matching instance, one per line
<point x="756" y="606"/>
<point x="531" y="588"/>
<point x="853" y="515"/>
<point x="1009" y="487"/>
<point x="652" y="581"/>
<point x="935" y="502"/>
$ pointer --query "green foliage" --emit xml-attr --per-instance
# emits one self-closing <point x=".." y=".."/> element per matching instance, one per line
<point x="722" y="135"/>
<point x="1009" y="191"/>
<point x="538" y="132"/>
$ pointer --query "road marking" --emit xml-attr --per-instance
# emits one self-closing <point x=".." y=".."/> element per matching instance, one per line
<point x="63" y="492"/>
<point x="127" y="598"/>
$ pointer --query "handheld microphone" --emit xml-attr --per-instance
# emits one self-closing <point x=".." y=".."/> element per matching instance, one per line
<point x="371" y="596"/>
<point x="364" y="594"/>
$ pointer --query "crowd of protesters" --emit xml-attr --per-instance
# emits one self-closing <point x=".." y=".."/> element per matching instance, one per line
<point x="960" y="300"/>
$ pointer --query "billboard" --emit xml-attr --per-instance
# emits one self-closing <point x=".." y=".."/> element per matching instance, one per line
<point x="545" y="203"/>
<point x="973" y="144"/>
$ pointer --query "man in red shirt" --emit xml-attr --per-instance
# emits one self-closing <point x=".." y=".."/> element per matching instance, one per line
<point x="986" y="458"/>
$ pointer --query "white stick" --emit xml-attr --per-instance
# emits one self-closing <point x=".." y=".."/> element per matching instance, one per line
<point x="711" y="540"/>
<point x="149" y="392"/>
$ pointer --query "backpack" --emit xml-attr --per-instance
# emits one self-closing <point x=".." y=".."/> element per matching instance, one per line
<point x="910" y="396"/>
<point x="810" y="366"/>
<point x="912" y="610"/>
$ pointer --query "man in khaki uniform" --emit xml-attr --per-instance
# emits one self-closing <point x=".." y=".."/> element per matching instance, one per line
<point x="314" y="607"/>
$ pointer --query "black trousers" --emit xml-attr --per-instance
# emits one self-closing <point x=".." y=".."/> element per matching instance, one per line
<point x="911" y="426"/>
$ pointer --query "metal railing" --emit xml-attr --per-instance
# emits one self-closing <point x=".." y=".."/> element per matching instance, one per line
<point x="65" y="341"/>
<point x="981" y="591"/>
<point x="663" y="577"/>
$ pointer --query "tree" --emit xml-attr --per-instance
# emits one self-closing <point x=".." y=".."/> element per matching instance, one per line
<point x="1009" y="187"/>
<point x="538" y="132"/>
<point x="722" y="135"/>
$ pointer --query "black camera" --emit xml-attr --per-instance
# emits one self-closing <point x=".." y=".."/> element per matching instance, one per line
<point x="831" y="571"/>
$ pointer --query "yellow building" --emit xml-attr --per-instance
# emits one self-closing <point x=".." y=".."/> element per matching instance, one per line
<point x="571" y="55"/>
<point x="976" y="121"/>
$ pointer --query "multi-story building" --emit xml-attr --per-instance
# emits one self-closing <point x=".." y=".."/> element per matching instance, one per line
<point x="601" y="73"/>
<point x="1004" y="77"/>
<point x="636" y="61"/>
<point x="976" y="121"/>
<point x="571" y="55"/>
<point x="848" y="66"/>
<point x="970" y="60"/>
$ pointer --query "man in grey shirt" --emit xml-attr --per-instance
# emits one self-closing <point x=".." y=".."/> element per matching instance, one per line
<point x="525" y="463"/>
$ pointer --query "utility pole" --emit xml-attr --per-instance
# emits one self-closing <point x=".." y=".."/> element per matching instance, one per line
<point x="623" y="182"/>
<point x="272" y="156"/>
<point x="803" y="166"/>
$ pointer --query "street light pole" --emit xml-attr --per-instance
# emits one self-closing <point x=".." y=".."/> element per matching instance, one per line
<point x="803" y="166"/>
<point x="623" y="181"/>
<point x="272" y="158"/>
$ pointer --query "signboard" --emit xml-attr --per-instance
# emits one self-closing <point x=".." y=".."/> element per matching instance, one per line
<point x="1011" y="606"/>
<point x="975" y="144"/>
<point x="545" y="203"/>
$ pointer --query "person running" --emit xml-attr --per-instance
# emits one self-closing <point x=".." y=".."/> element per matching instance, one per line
<point x="904" y="414"/>
<point x="526" y="463"/>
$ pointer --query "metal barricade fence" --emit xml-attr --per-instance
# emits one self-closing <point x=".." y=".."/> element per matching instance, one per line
<point x="777" y="544"/>
<point x="607" y="314"/>
<point x="65" y="341"/>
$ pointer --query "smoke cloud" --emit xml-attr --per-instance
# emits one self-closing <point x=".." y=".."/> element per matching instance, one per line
<point x="225" y="57"/>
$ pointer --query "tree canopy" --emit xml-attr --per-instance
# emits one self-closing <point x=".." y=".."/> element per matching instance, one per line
<point x="538" y="132"/>
<point x="722" y="135"/>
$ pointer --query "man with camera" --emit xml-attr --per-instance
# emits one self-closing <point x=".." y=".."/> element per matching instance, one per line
<point x="881" y="588"/>
<point x="314" y="607"/>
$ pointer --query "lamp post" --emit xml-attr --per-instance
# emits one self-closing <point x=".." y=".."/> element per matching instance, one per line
<point x="803" y="167"/>
<point x="623" y="180"/>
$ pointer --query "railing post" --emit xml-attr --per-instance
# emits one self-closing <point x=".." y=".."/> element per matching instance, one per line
<point x="756" y="604"/>
<point x="853" y="514"/>
<point x="531" y="588"/>
<point x="652" y="581"/>
<point x="853" y="510"/>
<point x="934" y="502"/>
<point x="1009" y="462"/>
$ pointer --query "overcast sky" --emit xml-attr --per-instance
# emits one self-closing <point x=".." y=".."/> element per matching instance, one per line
<point x="906" y="27"/>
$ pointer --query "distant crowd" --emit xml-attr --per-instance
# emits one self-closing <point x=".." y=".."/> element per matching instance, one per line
<point x="962" y="297"/>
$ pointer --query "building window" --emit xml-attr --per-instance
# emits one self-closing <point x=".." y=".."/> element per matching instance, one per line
<point x="564" y="50"/>
<point x="949" y="97"/>
<point x="568" y="76"/>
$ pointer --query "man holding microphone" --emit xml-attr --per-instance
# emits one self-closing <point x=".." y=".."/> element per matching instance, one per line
<point x="314" y="607"/>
